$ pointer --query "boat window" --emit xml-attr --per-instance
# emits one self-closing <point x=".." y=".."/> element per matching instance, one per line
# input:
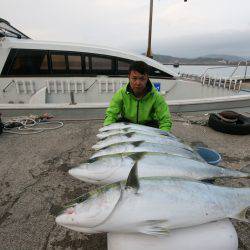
<point x="123" y="65"/>
<point x="44" y="64"/>
<point x="87" y="67"/>
<point x="100" y="63"/>
<point x="75" y="62"/>
<point x="28" y="62"/>
<point x="58" y="62"/>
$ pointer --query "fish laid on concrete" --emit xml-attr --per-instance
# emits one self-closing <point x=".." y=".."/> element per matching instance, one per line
<point x="154" y="206"/>
<point x="124" y="125"/>
<point x="110" y="169"/>
<point x="134" y="137"/>
<point x="142" y="146"/>
<point x="159" y="133"/>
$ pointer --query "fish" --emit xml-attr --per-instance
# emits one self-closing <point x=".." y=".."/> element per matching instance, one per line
<point x="134" y="137"/>
<point x="142" y="146"/>
<point x="114" y="168"/>
<point x="124" y="125"/>
<point x="159" y="133"/>
<point x="154" y="206"/>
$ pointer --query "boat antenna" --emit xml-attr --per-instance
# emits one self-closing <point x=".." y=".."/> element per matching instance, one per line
<point x="149" y="50"/>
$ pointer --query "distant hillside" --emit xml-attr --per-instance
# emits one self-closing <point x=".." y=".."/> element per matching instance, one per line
<point x="225" y="57"/>
<point x="203" y="60"/>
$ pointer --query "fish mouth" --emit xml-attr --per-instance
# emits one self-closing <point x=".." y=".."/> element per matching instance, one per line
<point x="62" y="221"/>
<point x="83" y="215"/>
<point x="91" y="175"/>
<point x="80" y="229"/>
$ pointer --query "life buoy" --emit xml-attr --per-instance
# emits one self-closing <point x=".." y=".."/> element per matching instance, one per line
<point x="230" y="122"/>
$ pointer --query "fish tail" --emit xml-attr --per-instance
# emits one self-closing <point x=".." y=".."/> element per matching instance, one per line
<point x="246" y="169"/>
<point x="242" y="215"/>
<point x="244" y="212"/>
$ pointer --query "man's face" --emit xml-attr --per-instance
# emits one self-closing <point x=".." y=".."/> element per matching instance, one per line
<point x="138" y="82"/>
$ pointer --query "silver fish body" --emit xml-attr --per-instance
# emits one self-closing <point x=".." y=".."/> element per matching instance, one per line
<point x="159" y="133"/>
<point x="157" y="206"/>
<point x="142" y="146"/>
<point x="124" y="125"/>
<point x="114" y="168"/>
<point x="134" y="137"/>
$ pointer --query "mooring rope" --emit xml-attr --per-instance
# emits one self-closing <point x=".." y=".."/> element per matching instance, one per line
<point x="27" y="125"/>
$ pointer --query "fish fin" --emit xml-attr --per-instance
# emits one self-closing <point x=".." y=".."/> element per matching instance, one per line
<point x="245" y="169"/>
<point x="129" y="135"/>
<point x="242" y="215"/>
<point x="137" y="143"/>
<point x="155" y="228"/>
<point x="136" y="156"/>
<point x="133" y="181"/>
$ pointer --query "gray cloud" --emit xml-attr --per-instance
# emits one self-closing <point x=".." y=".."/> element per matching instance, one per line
<point x="227" y="42"/>
<point x="180" y="29"/>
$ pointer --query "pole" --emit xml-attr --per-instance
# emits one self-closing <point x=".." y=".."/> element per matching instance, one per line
<point x="149" y="51"/>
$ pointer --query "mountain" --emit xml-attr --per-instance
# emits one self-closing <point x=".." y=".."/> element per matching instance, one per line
<point x="202" y="60"/>
<point x="226" y="57"/>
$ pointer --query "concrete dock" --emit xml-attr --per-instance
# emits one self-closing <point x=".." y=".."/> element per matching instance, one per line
<point x="34" y="182"/>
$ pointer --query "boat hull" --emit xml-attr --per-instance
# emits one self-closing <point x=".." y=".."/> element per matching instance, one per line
<point x="97" y="110"/>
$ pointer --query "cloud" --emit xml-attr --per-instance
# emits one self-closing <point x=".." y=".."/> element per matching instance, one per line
<point x="190" y="28"/>
<point x="230" y="42"/>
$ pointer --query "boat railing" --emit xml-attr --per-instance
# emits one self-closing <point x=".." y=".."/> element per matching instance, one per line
<point x="7" y="85"/>
<point x="224" y="82"/>
<point x="228" y="66"/>
<point x="231" y="82"/>
<point x="104" y="85"/>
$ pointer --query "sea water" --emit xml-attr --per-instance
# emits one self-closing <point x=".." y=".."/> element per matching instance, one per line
<point x="214" y="71"/>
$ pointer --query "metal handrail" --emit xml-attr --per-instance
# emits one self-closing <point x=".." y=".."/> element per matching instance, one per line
<point x="229" y="66"/>
<point x="220" y="67"/>
<point x="7" y="85"/>
<point x="238" y="67"/>
<point x="245" y="75"/>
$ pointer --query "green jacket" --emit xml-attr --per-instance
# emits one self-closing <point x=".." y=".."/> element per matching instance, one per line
<point x="152" y="107"/>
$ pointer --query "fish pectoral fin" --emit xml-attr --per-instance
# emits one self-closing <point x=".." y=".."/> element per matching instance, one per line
<point x="242" y="216"/>
<point x="155" y="228"/>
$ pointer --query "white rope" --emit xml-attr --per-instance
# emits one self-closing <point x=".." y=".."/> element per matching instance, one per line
<point x="28" y="124"/>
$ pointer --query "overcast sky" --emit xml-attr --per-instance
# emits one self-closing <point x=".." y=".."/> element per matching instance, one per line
<point x="184" y="29"/>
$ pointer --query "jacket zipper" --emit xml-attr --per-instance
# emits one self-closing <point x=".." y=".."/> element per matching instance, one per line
<point x="137" y="115"/>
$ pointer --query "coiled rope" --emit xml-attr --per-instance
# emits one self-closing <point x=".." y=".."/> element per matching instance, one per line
<point x="27" y="125"/>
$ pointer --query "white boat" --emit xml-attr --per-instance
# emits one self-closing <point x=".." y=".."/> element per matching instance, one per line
<point x="79" y="80"/>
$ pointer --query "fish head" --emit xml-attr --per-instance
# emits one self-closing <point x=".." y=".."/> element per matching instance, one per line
<point x="99" y="169"/>
<point x="87" y="212"/>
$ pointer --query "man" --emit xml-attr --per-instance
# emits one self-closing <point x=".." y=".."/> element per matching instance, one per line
<point x="139" y="101"/>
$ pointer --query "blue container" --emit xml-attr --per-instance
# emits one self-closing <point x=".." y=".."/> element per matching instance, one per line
<point x="209" y="155"/>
